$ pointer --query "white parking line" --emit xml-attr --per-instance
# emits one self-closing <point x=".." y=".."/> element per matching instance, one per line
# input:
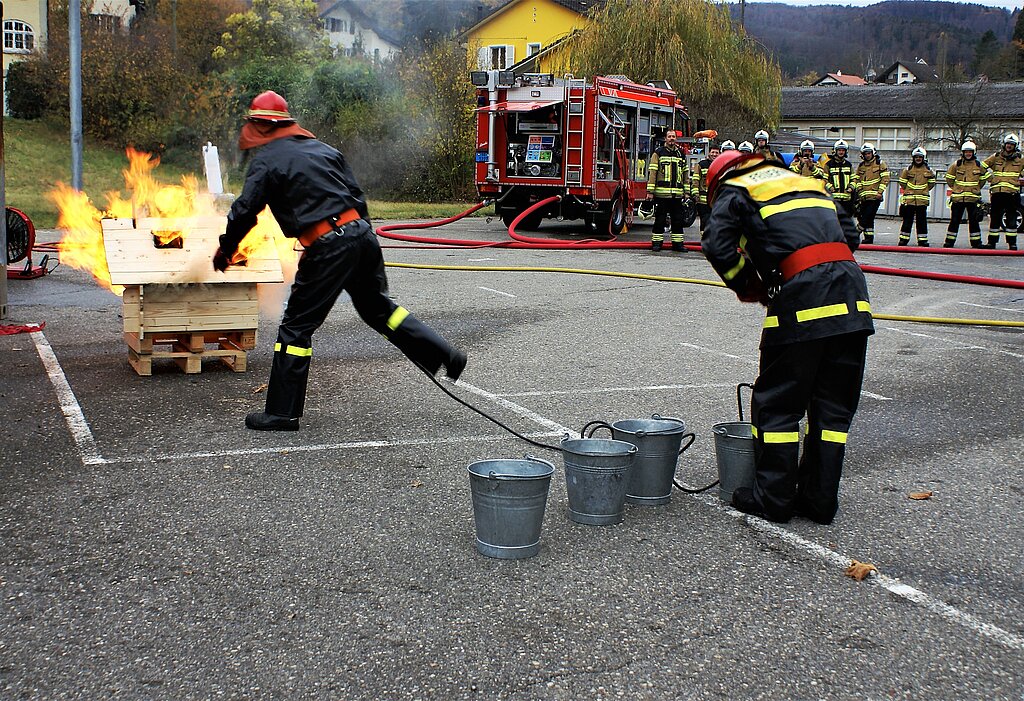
<point x="954" y="343"/>
<point x="79" y="427"/>
<point x="602" y="390"/>
<point x="988" y="306"/>
<point x="497" y="292"/>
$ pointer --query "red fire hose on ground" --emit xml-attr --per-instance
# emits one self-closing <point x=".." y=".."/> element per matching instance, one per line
<point x="520" y="241"/>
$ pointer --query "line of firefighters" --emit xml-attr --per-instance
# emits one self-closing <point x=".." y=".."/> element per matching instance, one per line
<point x="859" y="189"/>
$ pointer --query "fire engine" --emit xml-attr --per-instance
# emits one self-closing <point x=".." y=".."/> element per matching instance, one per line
<point x="587" y="141"/>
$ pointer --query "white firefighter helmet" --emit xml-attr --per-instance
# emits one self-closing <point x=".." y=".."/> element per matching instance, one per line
<point x="919" y="152"/>
<point x="969" y="146"/>
<point x="761" y="135"/>
<point x="746" y="147"/>
<point x="1011" y="139"/>
<point x="868" y="147"/>
<point x="806" y="145"/>
<point x="728" y="146"/>
<point x="840" y="145"/>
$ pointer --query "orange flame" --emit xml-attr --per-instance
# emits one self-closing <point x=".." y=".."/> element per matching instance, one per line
<point x="82" y="244"/>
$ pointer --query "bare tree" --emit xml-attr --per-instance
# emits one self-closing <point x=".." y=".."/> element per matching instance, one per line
<point x="960" y="111"/>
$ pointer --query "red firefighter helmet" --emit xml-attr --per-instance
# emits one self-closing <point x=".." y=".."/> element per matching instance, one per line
<point x="728" y="163"/>
<point x="269" y="107"/>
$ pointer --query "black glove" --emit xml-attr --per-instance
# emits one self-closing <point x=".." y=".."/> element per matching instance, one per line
<point x="221" y="261"/>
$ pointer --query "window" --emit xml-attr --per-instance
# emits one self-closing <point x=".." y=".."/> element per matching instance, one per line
<point x="335" y="25"/>
<point x="18" y="37"/>
<point x="889" y="138"/>
<point x="532" y="49"/>
<point x="352" y="27"/>
<point x="376" y="55"/>
<point x="495" y="57"/>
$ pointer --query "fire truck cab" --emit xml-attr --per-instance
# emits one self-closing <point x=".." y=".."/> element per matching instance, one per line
<point x="585" y="140"/>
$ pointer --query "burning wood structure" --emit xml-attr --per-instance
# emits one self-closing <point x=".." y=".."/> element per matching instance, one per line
<point x="174" y="304"/>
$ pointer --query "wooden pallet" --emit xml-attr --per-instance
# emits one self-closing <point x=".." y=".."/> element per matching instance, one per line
<point x="187" y="349"/>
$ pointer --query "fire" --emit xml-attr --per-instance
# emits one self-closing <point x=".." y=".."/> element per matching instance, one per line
<point x="82" y="244"/>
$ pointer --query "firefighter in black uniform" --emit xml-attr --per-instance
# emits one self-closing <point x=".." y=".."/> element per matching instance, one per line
<point x="315" y="199"/>
<point x="797" y="260"/>
<point x="669" y="184"/>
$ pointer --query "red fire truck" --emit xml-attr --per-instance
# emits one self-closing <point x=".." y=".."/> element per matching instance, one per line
<point x="587" y="141"/>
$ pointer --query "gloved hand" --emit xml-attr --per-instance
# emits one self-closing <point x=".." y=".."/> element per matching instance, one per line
<point x="221" y="261"/>
<point x="754" y="291"/>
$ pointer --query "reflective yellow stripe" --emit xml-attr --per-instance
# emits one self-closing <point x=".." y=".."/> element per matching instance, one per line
<point x="833" y="436"/>
<point x="294" y="350"/>
<point x="771" y="322"/>
<point x="734" y="270"/>
<point x="753" y="431"/>
<point x="822" y="312"/>
<point x="863" y="306"/>
<point x="397" y="317"/>
<point x="780" y="436"/>
<point x="799" y="203"/>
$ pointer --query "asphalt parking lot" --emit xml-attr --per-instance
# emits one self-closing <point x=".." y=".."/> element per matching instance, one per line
<point x="153" y="548"/>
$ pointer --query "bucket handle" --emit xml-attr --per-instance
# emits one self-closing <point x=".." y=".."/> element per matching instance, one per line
<point x="739" y="397"/>
<point x="692" y="436"/>
<point x="492" y="475"/>
<point x="659" y="417"/>
<point x="597" y="426"/>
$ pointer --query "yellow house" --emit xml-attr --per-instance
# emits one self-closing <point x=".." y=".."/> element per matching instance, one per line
<point x="24" y="31"/>
<point x="522" y="28"/>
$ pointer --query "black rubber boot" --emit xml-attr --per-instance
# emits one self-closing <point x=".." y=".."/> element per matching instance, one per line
<point x="262" y="421"/>
<point x="656" y="245"/>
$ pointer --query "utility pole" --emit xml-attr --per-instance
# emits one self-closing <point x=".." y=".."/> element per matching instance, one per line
<point x="743" y="12"/>
<point x="3" y="206"/>
<point x="174" y="30"/>
<point x="75" y="69"/>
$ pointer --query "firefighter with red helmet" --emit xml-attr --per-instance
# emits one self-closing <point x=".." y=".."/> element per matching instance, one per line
<point x="668" y="184"/>
<point x="314" y="197"/>
<point x="778" y="238"/>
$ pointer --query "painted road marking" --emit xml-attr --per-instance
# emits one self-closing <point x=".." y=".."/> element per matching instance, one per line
<point x="956" y="344"/>
<point x="79" y="427"/>
<point x="497" y="292"/>
<point x="520" y="411"/>
<point x="988" y="306"/>
<point x="479" y="260"/>
<point x="602" y="390"/>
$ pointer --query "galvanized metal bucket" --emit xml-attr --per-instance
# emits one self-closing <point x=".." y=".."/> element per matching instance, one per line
<point x="509" y="497"/>
<point x="658" y="441"/>
<point x="596" y="477"/>
<point x="734" y="451"/>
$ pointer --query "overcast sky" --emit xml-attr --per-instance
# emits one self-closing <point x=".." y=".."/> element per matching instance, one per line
<point x="1007" y="4"/>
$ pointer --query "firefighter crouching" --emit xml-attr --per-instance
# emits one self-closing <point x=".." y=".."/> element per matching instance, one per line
<point x="916" y="183"/>
<point x="311" y="191"/>
<point x="1005" y="168"/>
<point x="869" y="182"/>
<point x="839" y="176"/>
<point x="668" y="183"/>
<point x="805" y="164"/>
<point x="797" y="260"/>
<point x="699" y="186"/>
<point x="965" y="178"/>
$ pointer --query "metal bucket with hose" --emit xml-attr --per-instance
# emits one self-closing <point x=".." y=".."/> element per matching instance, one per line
<point x="509" y="497"/>
<point x="596" y="476"/>
<point x="734" y="451"/>
<point x="658" y="441"/>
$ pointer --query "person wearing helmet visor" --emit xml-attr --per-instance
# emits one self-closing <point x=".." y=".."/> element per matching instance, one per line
<point x="728" y="146"/>
<point x="746" y="147"/>
<point x="761" y="146"/>
<point x="916" y="183"/>
<point x="699" y="184"/>
<point x="777" y="238"/>
<point x="1005" y="168"/>
<point x="805" y="164"/>
<point x="839" y="176"/>
<point x="314" y="197"/>
<point x="965" y="177"/>
<point x="869" y="182"/>
<point x="668" y="182"/>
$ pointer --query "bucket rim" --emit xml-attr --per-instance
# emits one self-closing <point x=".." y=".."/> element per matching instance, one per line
<point x="549" y="469"/>
<point x="630" y="447"/>
<point x="680" y="426"/>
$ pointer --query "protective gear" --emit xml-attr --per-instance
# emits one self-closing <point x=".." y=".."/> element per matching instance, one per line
<point x="262" y="421"/>
<point x="965" y="178"/>
<point x="867" y="148"/>
<point x="746" y="147"/>
<point x="840" y="144"/>
<point x="969" y="146"/>
<point x="919" y="152"/>
<point x="269" y="107"/>
<point x="728" y="146"/>
<point x="668" y="181"/>
<point x="806" y="144"/>
<point x="761" y="135"/>
<point x="221" y="261"/>
<point x="726" y="164"/>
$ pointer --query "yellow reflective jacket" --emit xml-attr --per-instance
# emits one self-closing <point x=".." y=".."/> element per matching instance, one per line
<point x="667" y="173"/>
<point x="965" y="178"/>
<point x="699" y="181"/>
<point x="871" y="179"/>
<point x="838" y="177"/>
<point x="916" y="182"/>
<point x="807" y="168"/>
<point x="1005" y="171"/>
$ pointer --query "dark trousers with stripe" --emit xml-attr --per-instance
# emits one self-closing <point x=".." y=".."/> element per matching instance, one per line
<point x="345" y="260"/>
<point x="665" y="207"/>
<point x="914" y="213"/>
<point x="956" y="216"/>
<point x="866" y="215"/>
<point x="1005" y="216"/>
<point x="822" y="379"/>
<point x="704" y="212"/>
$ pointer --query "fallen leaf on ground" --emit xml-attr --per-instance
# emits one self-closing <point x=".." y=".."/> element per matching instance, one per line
<point x="260" y="389"/>
<point x="920" y="495"/>
<point x="860" y="570"/>
<point x="415" y="483"/>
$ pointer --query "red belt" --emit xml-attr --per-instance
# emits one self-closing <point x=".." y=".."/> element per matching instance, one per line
<point x="810" y="256"/>
<point x="307" y="237"/>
